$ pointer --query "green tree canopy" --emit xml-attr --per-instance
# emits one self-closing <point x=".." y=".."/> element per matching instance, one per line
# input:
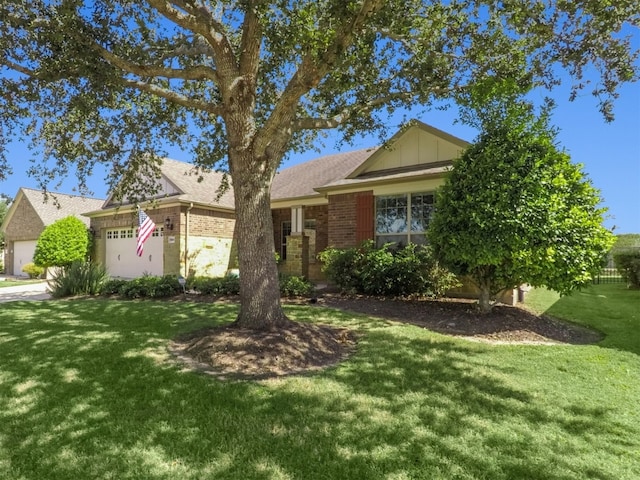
<point x="515" y="210"/>
<point x="62" y="243"/>
<point x="245" y="82"/>
<point x="5" y="201"/>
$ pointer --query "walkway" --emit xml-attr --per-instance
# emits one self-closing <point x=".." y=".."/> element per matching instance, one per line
<point x="32" y="291"/>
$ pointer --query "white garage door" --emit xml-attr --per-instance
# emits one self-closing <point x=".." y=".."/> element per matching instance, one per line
<point x="121" y="258"/>
<point x="23" y="254"/>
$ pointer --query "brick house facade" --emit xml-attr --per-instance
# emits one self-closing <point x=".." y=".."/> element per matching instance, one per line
<point x="350" y="187"/>
<point x="194" y="228"/>
<point x="28" y="216"/>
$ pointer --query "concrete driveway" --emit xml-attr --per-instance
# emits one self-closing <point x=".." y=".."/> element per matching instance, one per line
<point x="33" y="291"/>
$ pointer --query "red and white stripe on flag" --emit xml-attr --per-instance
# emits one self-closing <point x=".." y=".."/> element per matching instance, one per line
<point x="145" y="230"/>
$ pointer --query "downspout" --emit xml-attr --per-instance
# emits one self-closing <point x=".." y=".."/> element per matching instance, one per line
<point x="186" y="241"/>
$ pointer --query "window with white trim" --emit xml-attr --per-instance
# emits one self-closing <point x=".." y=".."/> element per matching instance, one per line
<point x="403" y="219"/>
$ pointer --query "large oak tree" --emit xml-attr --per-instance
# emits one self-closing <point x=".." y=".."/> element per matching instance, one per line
<point x="245" y="82"/>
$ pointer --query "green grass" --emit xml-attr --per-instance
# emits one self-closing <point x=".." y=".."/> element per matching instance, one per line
<point x="87" y="391"/>
<point x="15" y="283"/>
<point x="613" y="309"/>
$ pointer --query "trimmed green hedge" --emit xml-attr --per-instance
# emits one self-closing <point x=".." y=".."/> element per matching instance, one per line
<point x="146" y="286"/>
<point x="159" y="287"/>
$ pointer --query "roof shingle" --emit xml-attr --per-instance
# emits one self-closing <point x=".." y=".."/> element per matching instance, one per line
<point x="60" y="205"/>
<point x="301" y="180"/>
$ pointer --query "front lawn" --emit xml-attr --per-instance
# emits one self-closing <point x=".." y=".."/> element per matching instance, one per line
<point x="87" y="391"/>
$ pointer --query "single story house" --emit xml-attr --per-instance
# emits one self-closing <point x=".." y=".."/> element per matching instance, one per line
<point x="385" y="194"/>
<point x="336" y="200"/>
<point x="194" y="228"/>
<point x="28" y="216"/>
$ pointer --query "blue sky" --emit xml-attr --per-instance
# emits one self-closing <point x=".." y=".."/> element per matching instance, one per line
<point x="610" y="152"/>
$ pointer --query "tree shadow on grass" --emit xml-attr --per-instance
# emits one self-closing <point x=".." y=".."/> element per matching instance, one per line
<point x="86" y="391"/>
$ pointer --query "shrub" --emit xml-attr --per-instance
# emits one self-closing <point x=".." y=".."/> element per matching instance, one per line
<point x="628" y="265"/>
<point x="113" y="286"/>
<point x="294" y="286"/>
<point x="149" y="286"/>
<point x="79" y="278"/>
<point x="227" y="285"/>
<point x="62" y="243"/>
<point x="411" y="270"/>
<point x="33" y="270"/>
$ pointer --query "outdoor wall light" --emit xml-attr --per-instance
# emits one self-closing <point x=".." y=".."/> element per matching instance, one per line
<point x="167" y="223"/>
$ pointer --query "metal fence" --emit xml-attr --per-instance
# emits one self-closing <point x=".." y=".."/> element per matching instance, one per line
<point x="608" y="275"/>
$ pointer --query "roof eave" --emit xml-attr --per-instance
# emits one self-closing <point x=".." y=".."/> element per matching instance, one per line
<point x="161" y="203"/>
<point x="328" y="189"/>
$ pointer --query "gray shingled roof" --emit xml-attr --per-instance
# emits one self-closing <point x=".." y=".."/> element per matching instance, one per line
<point x="60" y="205"/>
<point x="185" y="178"/>
<point x="300" y="180"/>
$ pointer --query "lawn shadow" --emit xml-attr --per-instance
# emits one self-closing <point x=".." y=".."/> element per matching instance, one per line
<point x="87" y="391"/>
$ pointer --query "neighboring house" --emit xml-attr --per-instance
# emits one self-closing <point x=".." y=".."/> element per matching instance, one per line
<point x="194" y="228"/>
<point x="385" y="194"/>
<point x="28" y="216"/>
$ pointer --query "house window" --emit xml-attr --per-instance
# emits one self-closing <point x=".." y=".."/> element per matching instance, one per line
<point x="402" y="219"/>
<point x="285" y="232"/>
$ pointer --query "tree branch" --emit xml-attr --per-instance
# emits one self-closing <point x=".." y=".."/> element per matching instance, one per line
<point x="202" y="23"/>
<point x="349" y="112"/>
<point x="194" y="73"/>
<point x="19" y="68"/>
<point x="309" y="74"/>
<point x="251" y="40"/>
<point x="173" y="97"/>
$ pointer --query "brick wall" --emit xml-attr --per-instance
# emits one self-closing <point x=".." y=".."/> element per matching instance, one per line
<point x="25" y="223"/>
<point x="342" y="214"/>
<point x="208" y="223"/>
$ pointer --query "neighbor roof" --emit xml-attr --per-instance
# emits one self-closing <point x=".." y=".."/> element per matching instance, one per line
<point x="59" y="205"/>
<point x="302" y="179"/>
<point x="185" y="178"/>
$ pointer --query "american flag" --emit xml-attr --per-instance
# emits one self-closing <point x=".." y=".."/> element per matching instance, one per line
<point x="145" y="230"/>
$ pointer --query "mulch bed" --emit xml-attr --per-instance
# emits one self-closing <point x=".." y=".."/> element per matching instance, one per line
<point x="231" y="352"/>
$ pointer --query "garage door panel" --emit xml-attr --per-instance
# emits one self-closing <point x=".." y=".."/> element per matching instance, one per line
<point x="22" y="254"/>
<point x="121" y="257"/>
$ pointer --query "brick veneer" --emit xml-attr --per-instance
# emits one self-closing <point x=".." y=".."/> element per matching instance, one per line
<point x="342" y="219"/>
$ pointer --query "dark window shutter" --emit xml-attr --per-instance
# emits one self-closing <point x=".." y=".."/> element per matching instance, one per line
<point x="364" y="217"/>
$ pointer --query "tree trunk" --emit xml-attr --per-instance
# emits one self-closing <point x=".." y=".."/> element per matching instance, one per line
<point x="260" y="307"/>
<point x="484" y="300"/>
